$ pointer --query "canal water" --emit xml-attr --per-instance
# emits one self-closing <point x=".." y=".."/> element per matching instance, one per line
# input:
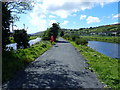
<point x="31" y="42"/>
<point x="108" y="49"/>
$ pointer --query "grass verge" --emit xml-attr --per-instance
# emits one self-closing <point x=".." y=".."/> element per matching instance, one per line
<point x="103" y="38"/>
<point x="105" y="67"/>
<point x="13" y="61"/>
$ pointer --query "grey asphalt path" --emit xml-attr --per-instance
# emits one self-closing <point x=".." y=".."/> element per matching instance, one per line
<point x="60" y="67"/>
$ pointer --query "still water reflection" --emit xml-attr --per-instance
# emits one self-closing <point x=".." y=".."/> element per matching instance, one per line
<point x="108" y="49"/>
<point x="31" y="42"/>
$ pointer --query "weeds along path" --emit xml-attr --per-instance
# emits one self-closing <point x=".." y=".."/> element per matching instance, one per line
<point x="60" y="67"/>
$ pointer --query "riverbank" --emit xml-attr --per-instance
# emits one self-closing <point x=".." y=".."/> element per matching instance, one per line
<point x="105" y="67"/>
<point x="13" y="61"/>
<point x="102" y="38"/>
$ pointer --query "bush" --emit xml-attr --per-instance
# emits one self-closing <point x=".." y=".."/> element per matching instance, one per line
<point x="73" y="37"/>
<point x="81" y="41"/>
<point x="66" y="37"/>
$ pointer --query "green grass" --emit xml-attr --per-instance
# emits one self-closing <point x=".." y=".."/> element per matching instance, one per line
<point x="33" y="37"/>
<point x="14" y="61"/>
<point x="103" y="38"/>
<point x="105" y="67"/>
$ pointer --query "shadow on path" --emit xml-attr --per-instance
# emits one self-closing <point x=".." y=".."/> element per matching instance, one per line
<point x="46" y="74"/>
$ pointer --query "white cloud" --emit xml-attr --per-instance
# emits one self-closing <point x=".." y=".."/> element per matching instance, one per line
<point x="61" y="8"/>
<point x="37" y="18"/>
<point x="65" y="22"/>
<point x="64" y="8"/>
<point x="51" y="16"/>
<point x="82" y="17"/>
<point x="116" y="16"/>
<point x="51" y="22"/>
<point x="115" y="23"/>
<point x="91" y="19"/>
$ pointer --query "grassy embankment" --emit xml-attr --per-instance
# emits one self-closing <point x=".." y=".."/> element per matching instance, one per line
<point x="14" y="61"/>
<point x="105" y="67"/>
<point x="103" y="38"/>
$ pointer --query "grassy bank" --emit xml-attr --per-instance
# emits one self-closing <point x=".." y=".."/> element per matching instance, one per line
<point x="103" y="38"/>
<point x="14" y="61"/>
<point x="106" y="68"/>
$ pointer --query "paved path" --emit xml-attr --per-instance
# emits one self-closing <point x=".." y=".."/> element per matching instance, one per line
<point x="60" y="67"/>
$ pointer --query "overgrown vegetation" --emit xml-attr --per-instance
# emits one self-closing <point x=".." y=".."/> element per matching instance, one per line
<point x="13" y="61"/>
<point x="76" y="39"/>
<point x="79" y="39"/>
<point x="10" y="10"/>
<point x="21" y="38"/>
<point x="105" y="67"/>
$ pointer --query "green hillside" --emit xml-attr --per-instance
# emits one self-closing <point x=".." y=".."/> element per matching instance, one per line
<point x="105" y="30"/>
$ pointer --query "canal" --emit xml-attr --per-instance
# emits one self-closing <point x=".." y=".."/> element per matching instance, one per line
<point x="108" y="49"/>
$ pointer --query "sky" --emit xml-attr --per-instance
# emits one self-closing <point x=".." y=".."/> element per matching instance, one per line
<point x="71" y="14"/>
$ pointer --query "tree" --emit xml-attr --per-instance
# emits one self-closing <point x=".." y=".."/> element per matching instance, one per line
<point x="62" y="33"/>
<point x="54" y="30"/>
<point x="6" y="20"/>
<point x="7" y="9"/>
<point x="21" y="38"/>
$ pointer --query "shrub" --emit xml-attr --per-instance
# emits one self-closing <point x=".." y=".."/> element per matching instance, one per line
<point x="66" y="37"/>
<point x="81" y="41"/>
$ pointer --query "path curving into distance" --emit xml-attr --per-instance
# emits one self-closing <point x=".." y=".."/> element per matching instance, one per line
<point x="60" y="67"/>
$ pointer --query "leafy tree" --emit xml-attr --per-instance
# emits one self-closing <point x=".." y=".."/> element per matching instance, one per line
<point x="54" y="30"/>
<point x="21" y="38"/>
<point x="6" y="20"/>
<point x="62" y="33"/>
<point x="9" y="8"/>
<point x="46" y="34"/>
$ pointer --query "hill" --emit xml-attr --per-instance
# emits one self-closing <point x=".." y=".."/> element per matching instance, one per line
<point x="105" y="30"/>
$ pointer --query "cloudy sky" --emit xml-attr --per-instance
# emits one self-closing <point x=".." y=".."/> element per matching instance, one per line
<point x="71" y="14"/>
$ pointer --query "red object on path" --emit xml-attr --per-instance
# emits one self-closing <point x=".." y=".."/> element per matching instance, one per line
<point x="52" y="38"/>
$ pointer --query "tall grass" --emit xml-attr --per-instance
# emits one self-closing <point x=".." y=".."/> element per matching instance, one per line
<point x="16" y="60"/>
